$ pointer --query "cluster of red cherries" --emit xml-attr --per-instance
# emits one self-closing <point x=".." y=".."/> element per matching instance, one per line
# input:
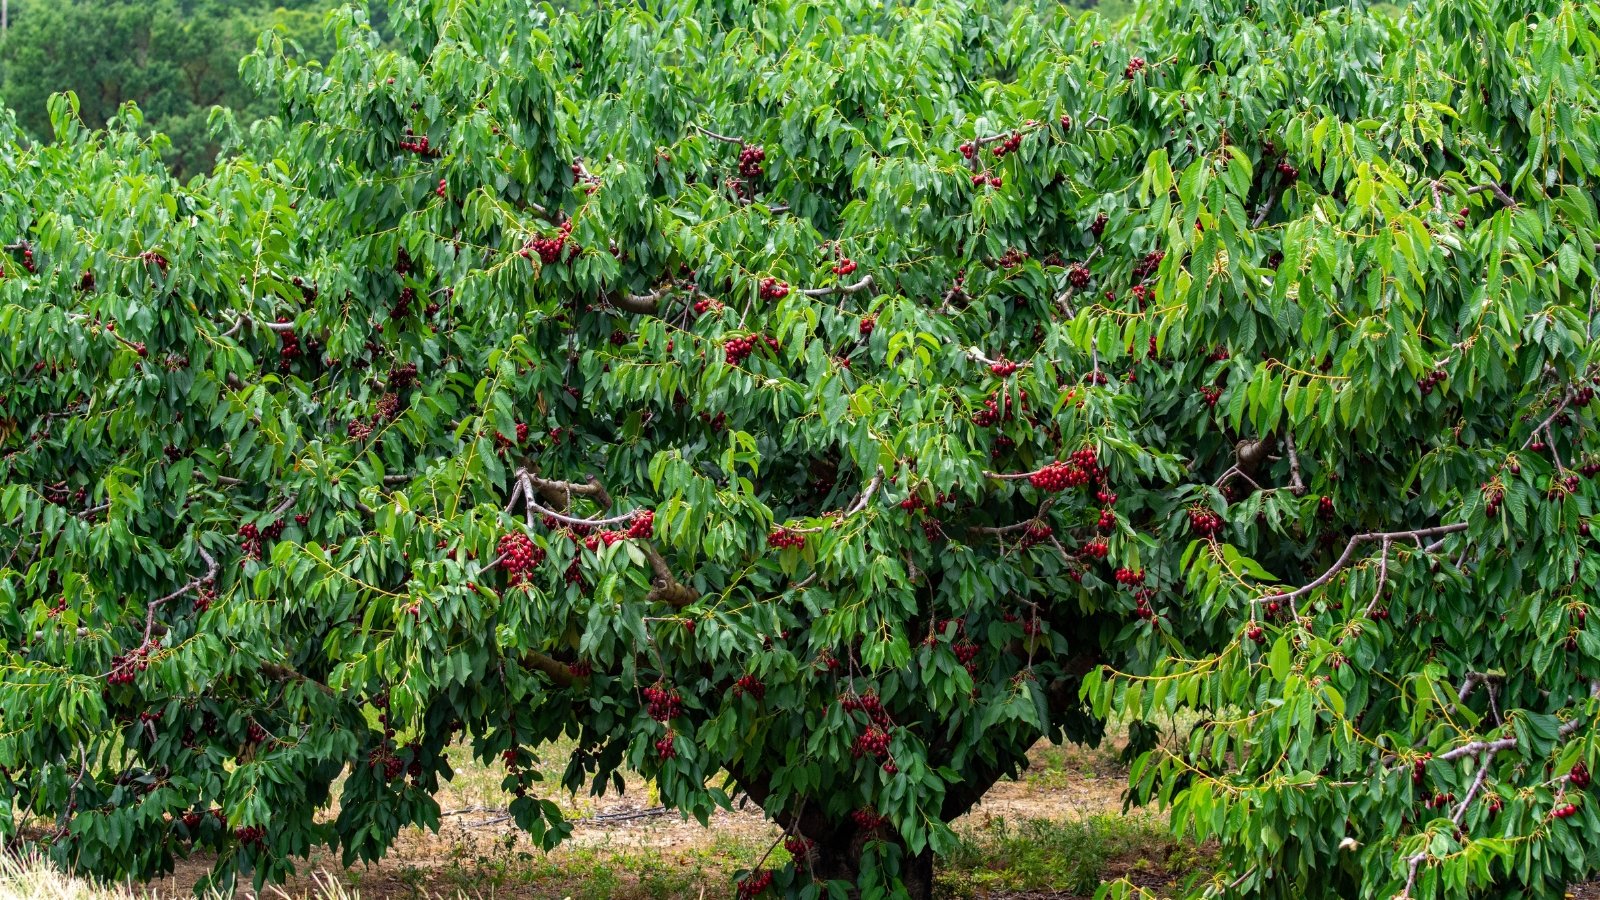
<point x="844" y="266"/>
<point x="518" y="556"/>
<point x="867" y="703"/>
<point x="868" y="819"/>
<point x="783" y="538"/>
<point x="873" y="742"/>
<point x="1129" y="577"/>
<point x="549" y="249"/>
<point x="754" y="884"/>
<point x="868" y="323"/>
<point x="250" y="540"/>
<point x="1011" y="144"/>
<point x="1289" y="172"/>
<point x="772" y="289"/>
<point x="667" y="747"/>
<point x="750" y="684"/>
<point x="130" y="664"/>
<point x="751" y="156"/>
<point x="662" y="703"/>
<point x="643" y="526"/>
<point x="1078" y="276"/>
<point x="1134" y="67"/>
<point x="1205" y="522"/>
<point x="738" y="349"/>
<point x="995" y="411"/>
<point x="522" y="435"/>
<point x="1428" y="381"/>
<point x="417" y="145"/>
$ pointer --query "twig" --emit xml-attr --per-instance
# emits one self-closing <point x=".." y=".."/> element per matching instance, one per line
<point x="1383" y="578"/>
<point x="1545" y="425"/>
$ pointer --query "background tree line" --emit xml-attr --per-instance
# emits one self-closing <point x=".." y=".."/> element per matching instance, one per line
<point x="177" y="59"/>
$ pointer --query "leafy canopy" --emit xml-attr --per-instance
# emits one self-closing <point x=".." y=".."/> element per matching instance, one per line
<point x="822" y="403"/>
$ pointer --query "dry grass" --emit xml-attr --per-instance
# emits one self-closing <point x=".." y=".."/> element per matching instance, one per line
<point x="1056" y="831"/>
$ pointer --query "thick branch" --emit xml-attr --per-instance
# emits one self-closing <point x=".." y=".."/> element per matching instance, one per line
<point x="560" y="493"/>
<point x="554" y="668"/>
<point x="664" y="586"/>
<point x="866" y="495"/>
<point x="644" y="304"/>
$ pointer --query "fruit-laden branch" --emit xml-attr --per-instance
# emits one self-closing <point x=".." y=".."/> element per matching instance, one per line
<point x="665" y="587"/>
<point x="1349" y="553"/>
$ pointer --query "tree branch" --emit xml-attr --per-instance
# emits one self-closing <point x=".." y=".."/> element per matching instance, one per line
<point x="1296" y="486"/>
<point x="1349" y="552"/>
<point x="863" y="284"/>
<point x="1506" y="200"/>
<point x="193" y="584"/>
<point x="283" y="673"/>
<point x="717" y="137"/>
<point x="554" y="668"/>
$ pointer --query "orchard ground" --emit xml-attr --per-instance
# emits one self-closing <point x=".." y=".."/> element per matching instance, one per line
<point x="1053" y="833"/>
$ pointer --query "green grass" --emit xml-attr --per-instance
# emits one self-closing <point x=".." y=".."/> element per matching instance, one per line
<point x="1075" y="856"/>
